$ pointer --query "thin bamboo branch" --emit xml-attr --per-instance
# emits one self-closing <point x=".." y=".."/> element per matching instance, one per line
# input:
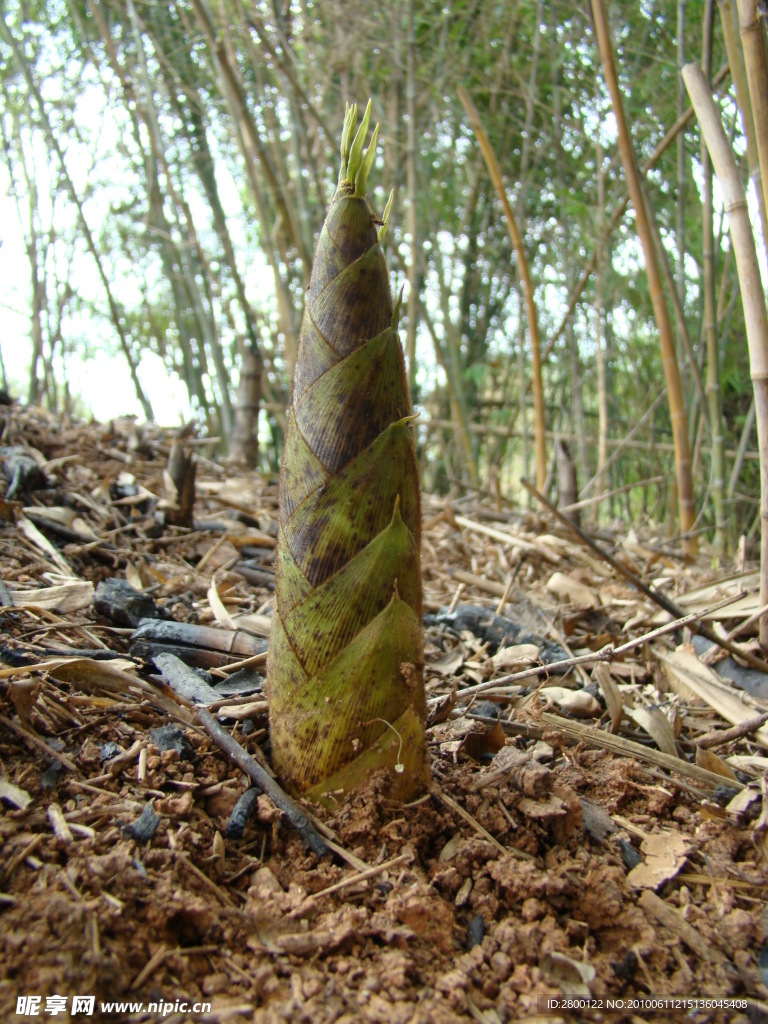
<point x="741" y="452"/>
<point x="755" y="318"/>
<point x="591" y="736"/>
<point x="586" y="502"/>
<point x="685" y="494"/>
<point x="624" y="442"/>
<point x="445" y="354"/>
<point x="232" y="89"/>
<point x="601" y="356"/>
<point x="287" y="69"/>
<point x="656" y="596"/>
<point x="618" y="213"/>
<point x="527" y="282"/>
<point x="677" y="306"/>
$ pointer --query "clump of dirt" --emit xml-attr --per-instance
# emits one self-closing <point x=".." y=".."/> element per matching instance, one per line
<point x="452" y="925"/>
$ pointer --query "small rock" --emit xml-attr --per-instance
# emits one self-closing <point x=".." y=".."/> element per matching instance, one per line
<point x="144" y="827"/>
<point x="171" y="737"/>
<point x="122" y="604"/>
<point x="475" y="931"/>
<point x="629" y="854"/>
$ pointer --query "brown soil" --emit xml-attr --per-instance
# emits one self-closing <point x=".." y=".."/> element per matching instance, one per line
<point x="504" y="886"/>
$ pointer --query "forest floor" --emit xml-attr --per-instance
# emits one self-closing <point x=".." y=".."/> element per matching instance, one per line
<point x="593" y="845"/>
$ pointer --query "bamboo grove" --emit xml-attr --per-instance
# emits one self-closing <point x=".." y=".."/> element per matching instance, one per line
<point x="558" y="231"/>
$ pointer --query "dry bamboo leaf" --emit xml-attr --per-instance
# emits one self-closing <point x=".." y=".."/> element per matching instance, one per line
<point x="478" y="745"/>
<point x="687" y="675"/>
<point x="42" y="543"/>
<point x="171" y="499"/>
<point x="656" y="724"/>
<point x="63" y="516"/>
<point x="632" y="545"/>
<point x="611" y="693"/>
<point x="577" y="702"/>
<point x="749" y="763"/>
<point x="665" y="853"/>
<point x="133" y="576"/>
<point x="629" y="670"/>
<point x="117" y="676"/>
<point x="561" y="544"/>
<point x="220" y="613"/>
<point x="447" y="665"/>
<point x="66" y="597"/>
<point x="743" y="801"/>
<point x="544" y="547"/>
<point x="709" y="760"/>
<point x="568" y="588"/>
<point x="701" y="598"/>
<point x="259" y="625"/>
<point x="572" y="977"/>
<point x="512" y="659"/>
<point x="242" y="711"/>
<point x="451" y="848"/>
<point x="7" y="511"/>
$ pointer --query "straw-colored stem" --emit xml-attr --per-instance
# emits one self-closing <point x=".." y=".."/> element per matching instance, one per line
<point x="755" y="318"/>
<point x="527" y="282"/>
<point x="666" y="338"/>
<point x="756" y="62"/>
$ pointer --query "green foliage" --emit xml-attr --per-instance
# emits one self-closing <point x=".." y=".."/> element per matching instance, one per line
<point x="205" y="228"/>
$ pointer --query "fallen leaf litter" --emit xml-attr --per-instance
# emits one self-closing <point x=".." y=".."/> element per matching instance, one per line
<point x="577" y="839"/>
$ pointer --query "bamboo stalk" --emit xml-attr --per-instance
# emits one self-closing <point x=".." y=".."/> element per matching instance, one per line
<point x="755" y="318"/>
<point x="683" y="475"/>
<point x="618" y="213"/>
<point x="412" y="220"/>
<point x="601" y="356"/>
<point x="756" y="61"/>
<point x="232" y="89"/>
<point x="729" y="21"/>
<point x="527" y="282"/>
<point x="709" y="326"/>
<point x="741" y="452"/>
